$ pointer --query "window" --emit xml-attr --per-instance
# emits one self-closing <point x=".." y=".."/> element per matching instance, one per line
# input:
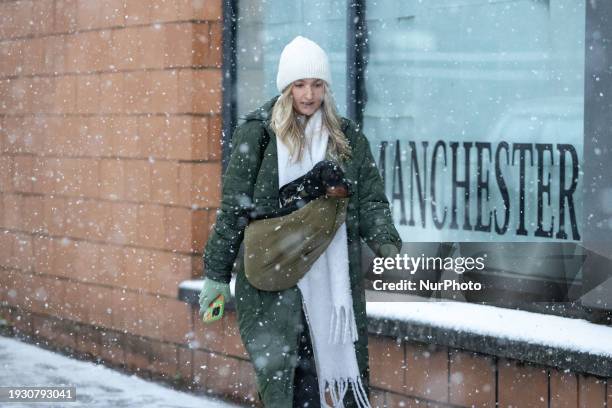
<point x="475" y="111"/>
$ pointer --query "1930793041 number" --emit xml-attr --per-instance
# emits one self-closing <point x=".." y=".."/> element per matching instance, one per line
<point x="19" y="394"/>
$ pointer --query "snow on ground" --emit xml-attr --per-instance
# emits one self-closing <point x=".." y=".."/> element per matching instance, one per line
<point x="23" y="364"/>
<point x="535" y="328"/>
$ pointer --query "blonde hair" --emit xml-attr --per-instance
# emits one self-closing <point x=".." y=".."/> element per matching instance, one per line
<point x="291" y="131"/>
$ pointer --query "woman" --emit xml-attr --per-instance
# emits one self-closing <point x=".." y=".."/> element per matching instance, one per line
<point x="310" y="339"/>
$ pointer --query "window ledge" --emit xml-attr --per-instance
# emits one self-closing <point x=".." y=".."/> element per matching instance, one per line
<point x="562" y="342"/>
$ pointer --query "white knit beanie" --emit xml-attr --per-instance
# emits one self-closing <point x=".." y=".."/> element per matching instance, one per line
<point x="302" y="58"/>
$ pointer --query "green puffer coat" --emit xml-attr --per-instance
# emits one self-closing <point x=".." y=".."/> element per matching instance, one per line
<point x="270" y="322"/>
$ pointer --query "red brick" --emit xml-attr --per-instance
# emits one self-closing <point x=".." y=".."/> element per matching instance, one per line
<point x="20" y="291"/>
<point x="100" y="305"/>
<point x="151" y="228"/>
<point x="23" y="173"/>
<point x="162" y="91"/>
<point x="215" y="52"/>
<point x="139" y="47"/>
<point x="112" y="266"/>
<point x="13" y="205"/>
<point x="164" y="182"/>
<point x="124" y="227"/>
<point x="95" y="140"/>
<point x="64" y="257"/>
<point x="148" y="323"/>
<point x="127" y="310"/>
<point x="137" y="268"/>
<point x="33" y="50"/>
<point x="522" y="385"/>
<point x="22" y="92"/>
<point x="563" y="389"/>
<point x="111" y="92"/>
<point x="33" y="214"/>
<point x="387" y="363"/>
<point x="591" y="392"/>
<point x="43" y="254"/>
<point x="15" y="19"/>
<point x="54" y="214"/>
<point x="125" y="136"/>
<point x="472" y="379"/>
<point x="111" y="349"/>
<point x="174" y="320"/>
<point x="398" y="400"/>
<point x="178" y="221"/>
<point x="200" y="184"/>
<point x="185" y="364"/>
<point x="137" y="353"/>
<point x="6" y="249"/>
<point x="85" y="263"/>
<point x="220" y="374"/>
<point x="199" y="138"/>
<point x="138" y="180"/>
<point x="100" y="13"/>
<point x="167" y="271"/>
<point x="112" y="175"/>
<point x="76" y="302"/>
<point x="66" y="15"/>
<point x="200" y="44"/>
<point x="245" y="388"/>
<point x="62" y="136"/>
<point x="137" y="12"/>
<point x="208" y="336"/>
<point x="6" y="173"/>
<point x="233" y="342"/>
<point x="47" y="295"/>
<point x="200" y="365"/>
<point x="87" y="339"/>
<point x="199" y="91"/>
<point x="65" y="94"/>
<point x="43" y="99"/>
<point x="41" y="11"/>
<point x="11" y="57"/>
<point x="163" y="10"/>
<point x="202" y="10"/>
<point x="179" y="44"/>
<point x="164" y="359"/>
<point x="427" y="372"/>
<point x="136" y="92"/>
<point x="88" y="93"/>
<point x="54" y="58"/>
<point x="167" y="137"/>
<point x="23" y="252"/>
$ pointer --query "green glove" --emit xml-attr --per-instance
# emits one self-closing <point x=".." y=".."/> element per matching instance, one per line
<point x="210" y="291"/>
<point x="388" y="251"/>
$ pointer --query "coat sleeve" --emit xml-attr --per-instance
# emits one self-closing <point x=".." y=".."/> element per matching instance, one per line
<point x="376" y="226"/>
<point x="236" y="198"/>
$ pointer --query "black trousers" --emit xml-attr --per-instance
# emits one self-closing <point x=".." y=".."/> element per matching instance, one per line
<point x="305" y="383"/>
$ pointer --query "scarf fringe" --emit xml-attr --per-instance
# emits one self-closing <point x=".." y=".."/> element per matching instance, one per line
<point x="342" y="326"/>
<point x="338" y="389"/>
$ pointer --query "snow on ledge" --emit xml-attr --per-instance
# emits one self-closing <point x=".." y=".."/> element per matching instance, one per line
<point x="516" y="325"/>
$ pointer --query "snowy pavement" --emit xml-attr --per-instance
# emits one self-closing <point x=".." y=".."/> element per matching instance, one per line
<point x="23" y="364"/>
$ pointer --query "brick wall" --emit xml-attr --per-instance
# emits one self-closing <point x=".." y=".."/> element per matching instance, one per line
<point x="109" y="169"/>
<point x="109" y="175"/>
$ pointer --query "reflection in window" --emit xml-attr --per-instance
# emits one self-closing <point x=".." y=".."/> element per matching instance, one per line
<point x="265" y="27"/>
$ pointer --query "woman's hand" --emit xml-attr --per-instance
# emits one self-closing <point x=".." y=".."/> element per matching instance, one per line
<point x="210" y="291"/>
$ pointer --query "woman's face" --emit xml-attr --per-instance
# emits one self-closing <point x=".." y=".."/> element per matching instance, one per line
<point x="307" y="95"/>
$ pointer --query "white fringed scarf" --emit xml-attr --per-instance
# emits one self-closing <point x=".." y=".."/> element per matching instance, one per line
<point x="326" y="290"/>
